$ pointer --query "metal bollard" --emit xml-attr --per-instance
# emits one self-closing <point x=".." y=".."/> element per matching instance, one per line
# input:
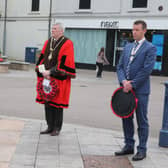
<point x="163" y="137"/>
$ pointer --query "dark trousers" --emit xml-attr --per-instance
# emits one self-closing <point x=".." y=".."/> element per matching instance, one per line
<point x="54" y="117"/>
<point x="100" y="69"/>
<point x="142" y="122"/>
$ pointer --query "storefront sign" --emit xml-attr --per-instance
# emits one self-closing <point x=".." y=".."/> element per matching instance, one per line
<point x="108" y="24"/>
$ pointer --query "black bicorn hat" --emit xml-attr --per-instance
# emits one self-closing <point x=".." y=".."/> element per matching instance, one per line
<point x="123" y="104"/>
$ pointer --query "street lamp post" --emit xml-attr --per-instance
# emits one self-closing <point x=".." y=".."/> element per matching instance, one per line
<point x="49" y="21"/>
<point x="4" y="34"/>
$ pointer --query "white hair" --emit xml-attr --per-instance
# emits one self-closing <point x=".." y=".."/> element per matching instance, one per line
<point x="61" y="26"/>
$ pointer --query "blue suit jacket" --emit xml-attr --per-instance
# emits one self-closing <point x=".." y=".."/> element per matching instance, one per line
<point x="140" y="68"/>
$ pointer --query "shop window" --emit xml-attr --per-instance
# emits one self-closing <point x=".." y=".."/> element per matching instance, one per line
<point x="35" y="5"/>
<point x="123" y="37"/>
<point x="139" y="3"/>
<point x="84" y="4"/>
<point x="158" y="41"/>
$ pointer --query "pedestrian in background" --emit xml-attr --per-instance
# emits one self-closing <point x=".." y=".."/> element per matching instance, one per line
<point x="100" y="62"/>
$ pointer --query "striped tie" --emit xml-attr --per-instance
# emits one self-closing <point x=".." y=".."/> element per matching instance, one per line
<point x="130" y="60"/>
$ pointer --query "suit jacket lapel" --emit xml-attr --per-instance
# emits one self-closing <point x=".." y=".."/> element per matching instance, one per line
<point x="139" y="50"/>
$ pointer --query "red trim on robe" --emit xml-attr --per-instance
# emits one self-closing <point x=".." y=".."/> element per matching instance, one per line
<point x="67" y="51"/>
<point x="61" y="100"/>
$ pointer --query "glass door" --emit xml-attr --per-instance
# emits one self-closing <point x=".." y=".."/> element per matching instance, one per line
<point x="122" y="38"/>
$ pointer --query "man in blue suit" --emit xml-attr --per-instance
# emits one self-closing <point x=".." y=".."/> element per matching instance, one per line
<point x="133" y="71"/>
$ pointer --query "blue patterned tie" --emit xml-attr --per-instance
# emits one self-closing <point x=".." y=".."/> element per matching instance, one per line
<point x="130" y="60"/>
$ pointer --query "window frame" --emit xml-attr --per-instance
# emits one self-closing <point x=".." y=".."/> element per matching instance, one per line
<point x="134" y="10"/>
<point x="84" y="10"/>
<point x="30" y="12"/>
<point x="140" y="7"/>
<point x="32" y="6"/>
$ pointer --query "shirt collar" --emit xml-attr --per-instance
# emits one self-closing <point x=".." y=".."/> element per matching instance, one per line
<point x="141" y="41"/>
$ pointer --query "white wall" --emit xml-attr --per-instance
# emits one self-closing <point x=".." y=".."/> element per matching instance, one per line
<point x="30" y="29"/>
<point x="2" y="7"/>
<point x="64" y="6"/>
<point x="24" y="28"/>
<point x="30" y="34"/>
<point x="106" y="6"/>
<point x="17" y="8"/>
<point x="97" y="6"/>
<point x="155" y="4"/>
<point x="152" y="9"/>
<point x="111" y="7"/>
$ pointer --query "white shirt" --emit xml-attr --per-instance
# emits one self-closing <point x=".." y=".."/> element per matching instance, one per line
<point x="139" y="45"/>
<point x="134" y="50"/>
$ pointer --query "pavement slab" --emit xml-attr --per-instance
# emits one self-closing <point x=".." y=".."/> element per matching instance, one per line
<point x="13" y="125"/>
<point x="4" y="165"/>
<point x="76" y="147"/>
<point x="10" y="131"/>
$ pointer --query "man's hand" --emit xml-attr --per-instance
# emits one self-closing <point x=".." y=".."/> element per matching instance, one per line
<point x="46" y="74"/>
<point x="127" y="86"/>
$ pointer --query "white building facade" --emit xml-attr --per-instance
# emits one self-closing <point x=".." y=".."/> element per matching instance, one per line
<point x="26" y="26"/>
<point x="90" y="24"/>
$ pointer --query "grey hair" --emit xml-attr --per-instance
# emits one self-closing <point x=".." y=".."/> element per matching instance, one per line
<point x="61" y="26"/>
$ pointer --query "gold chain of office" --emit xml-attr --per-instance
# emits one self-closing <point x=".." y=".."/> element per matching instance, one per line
<point x="52" y="49"/>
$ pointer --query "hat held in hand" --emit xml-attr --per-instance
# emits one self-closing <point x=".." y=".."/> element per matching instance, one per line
<point x="123" y="104"/>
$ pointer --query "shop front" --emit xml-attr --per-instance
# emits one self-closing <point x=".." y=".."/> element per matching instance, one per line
<point x="157" y="37"/>
<point x="88" y="41"/>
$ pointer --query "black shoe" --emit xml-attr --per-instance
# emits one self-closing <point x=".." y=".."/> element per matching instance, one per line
<point x="55" y="133"/>
<point x="124" y="151"/>
<point x="139" y="156"/>
<point x="47" y="131"/>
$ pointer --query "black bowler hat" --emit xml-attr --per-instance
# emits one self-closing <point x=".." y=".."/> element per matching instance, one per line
<point x="123" y="104"/>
